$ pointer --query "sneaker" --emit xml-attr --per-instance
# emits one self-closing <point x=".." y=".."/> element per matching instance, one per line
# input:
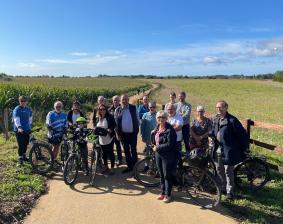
<point x="25" y="159"/>
<point x="161" y="197"/>
<point x="119" y="163"/>
<point x="127" y="170"/>
<point x="166" y="199"/>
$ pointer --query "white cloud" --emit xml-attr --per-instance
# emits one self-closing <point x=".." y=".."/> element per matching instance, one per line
<point x="27" y="65"/>
<point x="264" y="52"/>
<point x="79" y="54"/>
<point x="212" y="60"/>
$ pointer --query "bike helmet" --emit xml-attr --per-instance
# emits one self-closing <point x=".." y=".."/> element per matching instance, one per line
<point x="81" y="120"/>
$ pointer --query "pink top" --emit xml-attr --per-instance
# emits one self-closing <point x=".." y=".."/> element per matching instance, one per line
<point x="160" y="130"/>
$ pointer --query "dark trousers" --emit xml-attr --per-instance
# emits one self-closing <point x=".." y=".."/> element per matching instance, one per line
<point x="84" y="154"/>
<point x="179" y="151"/>
<point x="23" y="141"/>
<point x="118" y="148"/>
<point x="129" y="142"/>
<point x="166" y="168"/>
<point x="186" y="136"/>
<point x="108" y="153"/>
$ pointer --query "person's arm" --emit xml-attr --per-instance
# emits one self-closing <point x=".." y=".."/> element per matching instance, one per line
<point x="240" y="133"/>
<point x="143" y="127"/>
<point x="48" y="121"/>
<point x="187" y="112"/>
<point x="179" y="124"/>
<point x="17" y="120"/>
<point x="30" y="119"/>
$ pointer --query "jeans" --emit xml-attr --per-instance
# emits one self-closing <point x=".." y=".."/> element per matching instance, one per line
<point x="186" y="136"/>
<point x="108" y="153"/>
<point x="166" y="168"/>
<point x="118" y="148"/>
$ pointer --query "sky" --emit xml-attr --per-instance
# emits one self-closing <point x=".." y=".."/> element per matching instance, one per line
<point x="131" y="37"/>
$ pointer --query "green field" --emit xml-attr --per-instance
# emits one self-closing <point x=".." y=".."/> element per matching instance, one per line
<point x="260" y="101"/>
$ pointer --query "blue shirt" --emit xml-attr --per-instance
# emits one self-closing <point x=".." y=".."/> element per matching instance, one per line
<point x="22" y="117"/>
<point x="58" y="121"/>
<point x="148" y="123"/>
<point x="142" y="110"/>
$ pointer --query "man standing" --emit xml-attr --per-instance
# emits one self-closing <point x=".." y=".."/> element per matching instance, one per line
<point x="176" y="121"/>
<point x="111" y="110"/>
<point x="22" y="119"/>
<point x="143" y="108"/>
<point x="231" y="142"/>
<point x="127" y="120"/>
<point x="184" y="109"/>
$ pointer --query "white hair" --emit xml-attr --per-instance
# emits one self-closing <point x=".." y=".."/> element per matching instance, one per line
<point x="200" y="108"/>
<point x="58" y="103"/>
<point x="161" y="113"/>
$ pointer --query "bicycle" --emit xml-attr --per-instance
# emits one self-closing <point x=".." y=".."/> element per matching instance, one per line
<point x="97" y="164"/>
<point x="65" y="149"/>
<point x="73" y="163"/>
<point x="198" y="184"/>
<point x="40" y="155"/>
<point x="251" y="174"/>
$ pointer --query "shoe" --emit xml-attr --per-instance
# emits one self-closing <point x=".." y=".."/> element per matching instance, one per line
<point x="20" y="162"/>
<point x="25" y="159"/>
<point x="119" y="163"/>
<point x="161" y="197"/>
<point x="166" y="199"/>
<point x="87" y="173"/>
<point x="127" y="170"/>
<point x="230" y="196"/>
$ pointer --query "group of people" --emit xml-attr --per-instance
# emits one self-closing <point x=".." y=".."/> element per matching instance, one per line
<point x="165" y="129"/>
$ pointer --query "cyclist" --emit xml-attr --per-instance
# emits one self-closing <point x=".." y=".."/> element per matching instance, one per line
<point x="56" y="122"/>
<point x="22" y="119"/>
<point x="81" y="133"/>
<point x="74" y="113"/>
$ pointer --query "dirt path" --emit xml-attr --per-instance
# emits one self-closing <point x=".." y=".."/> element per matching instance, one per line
<point x="116" y="199"/>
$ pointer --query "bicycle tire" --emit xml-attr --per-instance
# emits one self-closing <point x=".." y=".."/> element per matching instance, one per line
<point x="147" y="178"/>
<point x="71" y="169"/>
<point x="252" y="174"/>
<point x="93" y="167"/>
<point x="202" y="187"/>
<point x="64" y="153"/>
<point x="41" y="158"/>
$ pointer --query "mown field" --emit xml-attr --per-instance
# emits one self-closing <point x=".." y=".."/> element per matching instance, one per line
<point x="260" y="101"/>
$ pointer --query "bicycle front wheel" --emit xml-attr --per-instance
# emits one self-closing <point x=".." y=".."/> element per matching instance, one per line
<point x="251" y="175"/>
<point x="146" y="173"/>
<point x="71" y="170"/>
<point x="64" y="153"/>
<point x="93" y="167"/>
<point x="41" y="158"/>
<point x="202" y="187"/>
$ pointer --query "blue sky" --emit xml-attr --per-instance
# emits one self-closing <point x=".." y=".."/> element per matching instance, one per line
<point x="120" y="37"/>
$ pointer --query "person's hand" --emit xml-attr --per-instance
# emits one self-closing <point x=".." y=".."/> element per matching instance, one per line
<point x="109" y="131"/>
<point x="20" y="130"/>
<point x="154" y="148"/>
<point x="118" y="137"/>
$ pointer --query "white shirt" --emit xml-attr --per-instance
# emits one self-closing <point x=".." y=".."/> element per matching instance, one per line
<point x="104" y="140"/>
<point x="177" y="120"/>
<point x="75" y="117"/>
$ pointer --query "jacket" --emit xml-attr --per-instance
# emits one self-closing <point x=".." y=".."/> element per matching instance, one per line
<point x="233" y="138"/>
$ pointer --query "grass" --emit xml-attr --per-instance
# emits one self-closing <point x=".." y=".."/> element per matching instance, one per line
<point x="19" y="187"/>
<point x="260" y="101"/>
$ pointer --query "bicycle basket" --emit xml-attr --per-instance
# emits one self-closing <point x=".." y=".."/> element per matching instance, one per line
<point x="197" y="157"/>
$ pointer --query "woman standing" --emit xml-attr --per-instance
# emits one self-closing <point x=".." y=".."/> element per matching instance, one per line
<point x="200" y="129"/>
<point x="164" y="138"/>
<point x="106" y="120"/>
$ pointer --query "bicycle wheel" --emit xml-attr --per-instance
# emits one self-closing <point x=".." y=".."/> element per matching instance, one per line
<point x="93" y="167"/>
<point x="64" y="153"/>
<point x="202" y="187"/>
<point x="71" y="169"/>
<point x="251" y="175"/>
<point x="41" y="158"/>
<point x="211" y="166"/>
<point x="146" y="173"/>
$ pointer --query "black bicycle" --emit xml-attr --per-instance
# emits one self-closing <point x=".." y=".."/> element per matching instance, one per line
<point x="96" y="164"/>
<point x="65" y="149"/>
<point x="198" y="184"/>
<point x="74" y="162"/>
<point x="251" y="174"/>
<point x="40" y="155"/>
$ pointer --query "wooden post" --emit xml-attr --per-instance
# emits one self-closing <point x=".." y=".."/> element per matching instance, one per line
<point x="249" y="122"/>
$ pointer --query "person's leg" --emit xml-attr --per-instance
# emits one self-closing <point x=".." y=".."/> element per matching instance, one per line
<point x="186" y="136"/>
<point x="56" y="150"/>
<point x="111" y="154"/>
<point x="133" y="145"/>
<point x="119" y="150"/>
<point x="229" y="173"/>
<point x="179" y="150"/>
<point x="160" y="170"/>
<point x="21" y="149"/>
<point x="168" y="169"/>
<point x="105" y="155"/>
<point x="126" y="145"/>
<point x="220" y="173"/>
<point x="84" y="154"/>
<point x="25" y="145"/>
